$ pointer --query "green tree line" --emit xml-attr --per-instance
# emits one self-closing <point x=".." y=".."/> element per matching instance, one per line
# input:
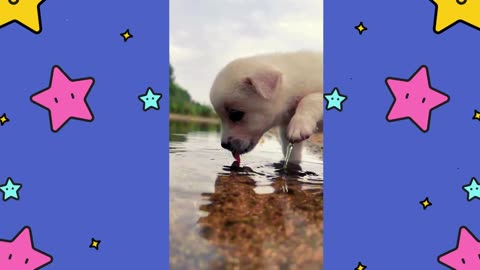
<point x="181" y="102"/>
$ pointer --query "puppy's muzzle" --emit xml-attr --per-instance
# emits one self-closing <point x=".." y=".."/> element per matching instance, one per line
<point x="237" y="146"/>
<point x="226" y="145"/>
<point x="232" y="145"/>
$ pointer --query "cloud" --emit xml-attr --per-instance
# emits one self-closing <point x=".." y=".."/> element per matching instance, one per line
<point x="206" y="35"/>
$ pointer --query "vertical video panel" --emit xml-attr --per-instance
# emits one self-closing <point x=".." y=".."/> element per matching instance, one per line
<point x="246" y="134"/>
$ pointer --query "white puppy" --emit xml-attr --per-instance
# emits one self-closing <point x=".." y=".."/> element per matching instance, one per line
<point x="254" y="94"/>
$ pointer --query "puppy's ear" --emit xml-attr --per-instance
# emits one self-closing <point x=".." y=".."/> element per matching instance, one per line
<point x="264" y="82"/>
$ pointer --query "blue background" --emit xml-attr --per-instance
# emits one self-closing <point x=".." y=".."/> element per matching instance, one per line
<point x="377" y="172"/>
<point x="106" y="179"/>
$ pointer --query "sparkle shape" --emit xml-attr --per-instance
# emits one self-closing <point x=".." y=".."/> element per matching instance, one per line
<point x="10" y="190"/>
<point x="414" y="99"/>
<point x="20" y="253"/>
<point x="3" y="119"/>
<point x="473" y="189"/>
<point x="24" y="12"/>
<point x="361" y="28"/>
<point x="425" y="203"/>
<point x="150" y="99"/>
<point x="65" y="99"/>
<point x="335" y="100"/>
<point x="465" y="255"/>
<point x="360" y="266"/>
<point x="126" y="35"/>
<point x="95" y="243"/>
<point x="450" y="12"/>
<point x="476" y="115"/>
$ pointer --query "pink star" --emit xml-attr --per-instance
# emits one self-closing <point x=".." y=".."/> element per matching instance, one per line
<point x="414" y="99"/>
<point x="65" y="98"/>
<point x="19" y="254"/>
<point x="466" y="256"/>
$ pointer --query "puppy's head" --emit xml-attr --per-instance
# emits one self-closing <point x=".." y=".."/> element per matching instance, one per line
<point x="244" y="95"/>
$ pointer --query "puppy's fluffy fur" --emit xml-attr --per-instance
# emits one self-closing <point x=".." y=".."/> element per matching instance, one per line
<point x="254" y="94"/>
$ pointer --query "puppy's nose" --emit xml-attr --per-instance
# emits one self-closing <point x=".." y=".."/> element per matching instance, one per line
<point x="227" y="146"/>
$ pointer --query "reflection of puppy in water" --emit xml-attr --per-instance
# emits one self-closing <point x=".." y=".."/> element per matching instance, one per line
<point x="254" y="94"/>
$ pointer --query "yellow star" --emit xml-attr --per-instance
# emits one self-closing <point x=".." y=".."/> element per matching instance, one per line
<point x="95" y="243"/>
<point x="360" y="266"/>
<point x="450" y="12"/>
<point x="24" y="12"/>
<point x="361" y="28"/>
<point x="126" y="35"/>
<point x="476" y="115"/>
<point x="3" y="119"/>
<point x="426" y="203"/>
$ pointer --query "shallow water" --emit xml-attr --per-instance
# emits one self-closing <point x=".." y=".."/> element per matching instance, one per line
<point x="252" y="216"/>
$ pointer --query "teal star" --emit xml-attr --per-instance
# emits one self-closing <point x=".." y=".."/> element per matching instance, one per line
<point x="10" y="190"/>
<point x="150" y="99"/>
<point x="335" y="100"/>
<point x="473" y="189"/>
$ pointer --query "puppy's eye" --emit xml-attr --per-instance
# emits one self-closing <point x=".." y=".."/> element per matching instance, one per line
<point x="235" y="115"/>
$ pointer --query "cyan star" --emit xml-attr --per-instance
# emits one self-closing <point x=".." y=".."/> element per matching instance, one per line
<point x="473" y="189"/>
<point x="10" y="190"/>
<point x="150" y="100"/>
<point x="335" y="100"/>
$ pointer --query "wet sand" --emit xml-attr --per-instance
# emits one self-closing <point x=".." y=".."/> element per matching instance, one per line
<point x="272" y="231"/>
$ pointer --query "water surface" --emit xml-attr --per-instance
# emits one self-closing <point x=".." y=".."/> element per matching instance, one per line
<point x="252" y="216"/>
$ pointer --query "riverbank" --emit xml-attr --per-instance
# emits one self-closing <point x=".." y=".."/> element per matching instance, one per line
<point x="317" y="138"/>
<point x="196" y="119"/>
<point x="315" y="142"/>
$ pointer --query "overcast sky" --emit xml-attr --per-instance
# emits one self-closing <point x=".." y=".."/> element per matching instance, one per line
<point x="205" y="35"/>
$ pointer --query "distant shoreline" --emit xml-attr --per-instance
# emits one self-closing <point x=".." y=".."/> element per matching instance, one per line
<point x="192" y="118"/>
<point x="315" y="141"/>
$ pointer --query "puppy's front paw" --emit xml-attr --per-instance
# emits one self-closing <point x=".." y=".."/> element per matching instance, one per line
<point x="300" y="128"/>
